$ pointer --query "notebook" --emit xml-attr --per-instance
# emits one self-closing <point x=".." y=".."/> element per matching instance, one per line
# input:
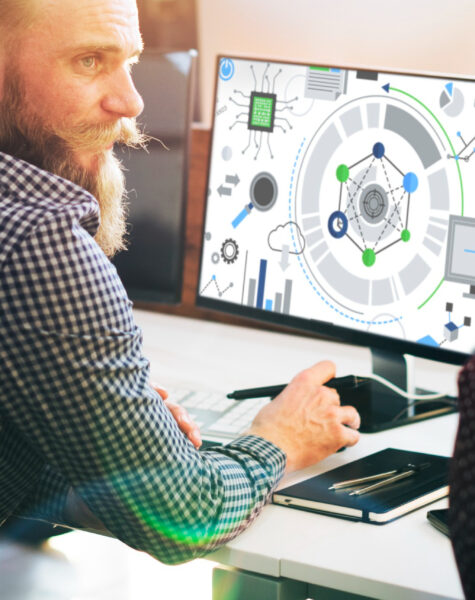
<point x="379" y="506"/>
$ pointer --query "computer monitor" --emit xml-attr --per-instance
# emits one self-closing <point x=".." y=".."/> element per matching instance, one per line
<point x="460" y="263"/>
<point x="330" y="193"/>
<point x="152" y="266"/>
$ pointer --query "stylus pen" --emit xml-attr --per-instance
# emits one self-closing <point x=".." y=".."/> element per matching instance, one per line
<point x="274" y="390"/>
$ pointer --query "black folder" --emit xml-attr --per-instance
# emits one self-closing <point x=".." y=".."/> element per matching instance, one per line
<point x="379" y="506"/>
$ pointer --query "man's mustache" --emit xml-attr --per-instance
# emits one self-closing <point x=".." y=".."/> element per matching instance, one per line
<point x="84" y="136"/>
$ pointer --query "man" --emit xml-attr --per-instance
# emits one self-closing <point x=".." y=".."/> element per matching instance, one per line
<point x="84" y="437"/>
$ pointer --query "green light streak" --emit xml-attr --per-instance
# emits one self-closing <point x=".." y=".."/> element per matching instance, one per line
<point x="456" y="162"/>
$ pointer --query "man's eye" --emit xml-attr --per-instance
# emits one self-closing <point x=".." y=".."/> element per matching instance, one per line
<point x="89" y="62"/>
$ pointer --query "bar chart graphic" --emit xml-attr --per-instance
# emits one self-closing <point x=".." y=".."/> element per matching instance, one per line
<point x="258" y="296"/>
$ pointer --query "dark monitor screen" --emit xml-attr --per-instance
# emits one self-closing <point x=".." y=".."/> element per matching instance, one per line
<point x="330" y="192"/>
<point x="151" y="267"/>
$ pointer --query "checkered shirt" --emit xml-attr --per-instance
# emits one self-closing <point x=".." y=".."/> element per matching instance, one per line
<point x="76" y="407"/>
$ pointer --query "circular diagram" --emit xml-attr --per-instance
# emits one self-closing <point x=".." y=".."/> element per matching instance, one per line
<point x="451" y="100"/>
<point x="373" y="204"/>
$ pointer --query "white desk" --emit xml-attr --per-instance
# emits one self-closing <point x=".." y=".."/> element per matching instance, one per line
<point x="404" y="559"/>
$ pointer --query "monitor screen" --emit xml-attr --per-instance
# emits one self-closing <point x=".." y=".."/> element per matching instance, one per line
<point x="151" y="267"/>
<point x="460" y="264"/>
<point x="330" y="194"/>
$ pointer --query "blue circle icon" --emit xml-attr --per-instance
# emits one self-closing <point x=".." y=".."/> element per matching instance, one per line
<point x="378" y="150"/>
<point x="226" y="69"/>
<point x="338" y="224"/>
<point x="410" y="182"/>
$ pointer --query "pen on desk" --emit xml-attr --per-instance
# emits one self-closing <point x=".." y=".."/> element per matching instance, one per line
<point x="409" y="471"/>
<point x="382" y="479"/>
<point x="274" y="390"/>
<point x="352" y="482"/>
<point x="384" y="483"/>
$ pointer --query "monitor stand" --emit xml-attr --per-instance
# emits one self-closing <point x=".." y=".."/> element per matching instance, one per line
<point x="471" y="293"/>
<point x="381" y="408"/>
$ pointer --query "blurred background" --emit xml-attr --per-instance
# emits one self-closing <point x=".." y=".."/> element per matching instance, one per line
<point x="168" y="24"/>
<point x="422" y="35"/>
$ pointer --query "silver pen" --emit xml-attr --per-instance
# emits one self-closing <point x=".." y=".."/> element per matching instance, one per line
<point x="352" y="482"/>
<point x="380" y="484"/>
<point x="381" y="479"/>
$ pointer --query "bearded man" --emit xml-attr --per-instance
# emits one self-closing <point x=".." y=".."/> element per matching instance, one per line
<point x="84" y="438"/>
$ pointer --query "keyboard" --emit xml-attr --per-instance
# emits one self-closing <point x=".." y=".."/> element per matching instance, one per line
<point x="216" y="415"/>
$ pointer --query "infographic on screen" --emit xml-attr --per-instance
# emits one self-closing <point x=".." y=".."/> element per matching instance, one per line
<point x="344" y="196"/>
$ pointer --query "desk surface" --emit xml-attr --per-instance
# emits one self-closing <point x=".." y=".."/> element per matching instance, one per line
<point x="404" y="559"/>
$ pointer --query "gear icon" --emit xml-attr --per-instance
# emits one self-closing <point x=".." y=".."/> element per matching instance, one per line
<point x="229" y="251"/>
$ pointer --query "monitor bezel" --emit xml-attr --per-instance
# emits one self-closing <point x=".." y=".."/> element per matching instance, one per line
<point x="313" y="326"/>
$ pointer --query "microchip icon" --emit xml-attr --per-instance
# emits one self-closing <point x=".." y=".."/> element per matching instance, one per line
<point x="262" y="112"/>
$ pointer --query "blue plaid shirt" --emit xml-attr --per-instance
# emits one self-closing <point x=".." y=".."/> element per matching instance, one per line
<point x="76" y="407"/>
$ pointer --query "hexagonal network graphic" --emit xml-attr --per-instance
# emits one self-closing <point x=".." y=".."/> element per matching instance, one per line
<point x="372" y="194"/>
<point x="374" y="217"/>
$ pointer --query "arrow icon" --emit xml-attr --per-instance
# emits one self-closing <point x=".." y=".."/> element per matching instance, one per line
<point x="224" y="191"/>
<point x="234" y="179"/>
<point x="386" y="87"/>
<point x="284" y="261"/>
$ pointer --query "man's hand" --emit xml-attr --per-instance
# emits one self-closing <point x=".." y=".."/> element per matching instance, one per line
<point x="181" y="416"/>
<point x="306" y="420"/>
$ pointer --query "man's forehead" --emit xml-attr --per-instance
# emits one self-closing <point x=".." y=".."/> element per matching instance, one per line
<point x="111" y="24"/>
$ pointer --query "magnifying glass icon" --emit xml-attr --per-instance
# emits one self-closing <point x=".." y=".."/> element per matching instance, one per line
<point x="263" y="194"/>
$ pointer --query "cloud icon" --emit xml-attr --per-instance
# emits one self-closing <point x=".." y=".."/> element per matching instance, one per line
<point x="288" y="235"/>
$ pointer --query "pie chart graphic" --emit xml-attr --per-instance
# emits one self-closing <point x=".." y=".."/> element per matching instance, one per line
<point x="451" y="100"/>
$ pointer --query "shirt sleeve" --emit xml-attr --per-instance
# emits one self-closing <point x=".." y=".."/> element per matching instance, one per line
<point x="47" y="498"/>
<point x="83" y="401"/>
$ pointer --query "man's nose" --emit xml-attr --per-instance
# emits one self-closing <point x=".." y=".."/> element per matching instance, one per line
<point x="122" y="98"/>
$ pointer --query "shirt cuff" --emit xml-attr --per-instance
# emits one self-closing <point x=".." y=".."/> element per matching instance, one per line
<point x="271" y="457"/>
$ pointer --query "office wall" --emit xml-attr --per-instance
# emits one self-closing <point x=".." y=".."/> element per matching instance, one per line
<point x="427" y="35"/>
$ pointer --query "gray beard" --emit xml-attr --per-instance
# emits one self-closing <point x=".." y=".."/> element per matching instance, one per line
<point x="26" y="138"/>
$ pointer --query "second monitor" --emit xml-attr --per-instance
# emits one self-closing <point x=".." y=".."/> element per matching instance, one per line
<point x="151" y="268"/>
